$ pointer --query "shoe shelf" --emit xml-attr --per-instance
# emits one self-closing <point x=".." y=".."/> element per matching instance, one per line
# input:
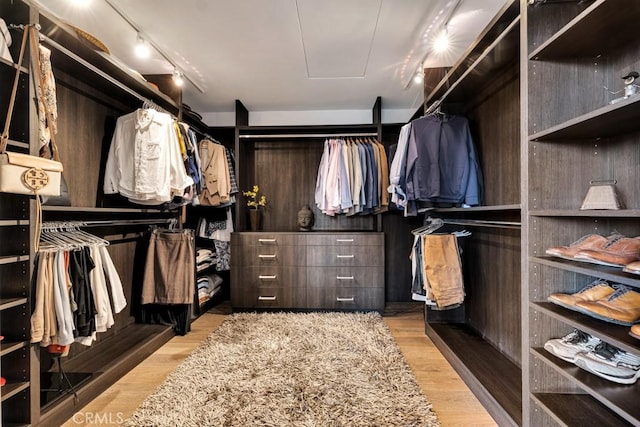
<point x="576" y="410"/>
<point x="8" y="347"/>
<point x="582" y="36"/>
<point x="622" y="213"/>
<point x="619" y="398"/>
<point x="614" y="274"/>
<point x="11" y="389"/>
<point x="13" y="259"/>
<point x="605" y="122"/>
<point x="616" y="335"/>
<point x="7" y="303"/>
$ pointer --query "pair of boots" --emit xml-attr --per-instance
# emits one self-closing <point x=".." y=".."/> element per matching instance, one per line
<point x="611" y="302"/>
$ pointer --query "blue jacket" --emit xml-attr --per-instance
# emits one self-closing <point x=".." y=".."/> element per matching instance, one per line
<point x="442" y="164"/>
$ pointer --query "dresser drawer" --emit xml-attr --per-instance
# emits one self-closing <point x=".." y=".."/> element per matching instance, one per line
<point x="269" y="276"/>
<point x="268" y="297"/>
<point x="345" y="256"/>
<point x="259" y="255"/>
<point x="346" y="239"/>
<point x="350" y="277"/>
<point x="267" y="239"/>
<point x="346" y="298"/>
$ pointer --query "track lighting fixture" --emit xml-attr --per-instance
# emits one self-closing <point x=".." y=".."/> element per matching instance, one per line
<point x="177" y="78"/>
<point x="142" y="47"/>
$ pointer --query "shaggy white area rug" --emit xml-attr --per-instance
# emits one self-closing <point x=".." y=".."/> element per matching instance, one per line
<point x="291" y="369"/>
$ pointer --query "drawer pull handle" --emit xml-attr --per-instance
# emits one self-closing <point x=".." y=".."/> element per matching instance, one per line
<point x="267" y="240"/>
<point x="345" y="256"/>
<point x="266" y="298"/>
<point x="263" y="277"/>
<point x="344" y="277"/>
<point x="342" y="299"/>
<point x="271" y="256"/>
<point x="344" y="240"/>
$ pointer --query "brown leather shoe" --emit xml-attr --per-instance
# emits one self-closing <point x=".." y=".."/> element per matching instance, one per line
<point x="635" y="331"/>
<point x="633" y="268"/>
<point x="590" y="241"/>
<point x="618" y="254"/>
<point x="594" y="291"/>
<point x="622" y="307"/>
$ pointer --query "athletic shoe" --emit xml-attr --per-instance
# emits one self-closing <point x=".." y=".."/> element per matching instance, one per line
<point x="621" y="307"/>
<point x="567" y="347"/>
<point x="611" y="363"/>
<point x="590" y="241"/>
<point x="635" y="331"/>
<point x="617" y="254"/>
<point x="633" y="268"/>
<point x="594" y="291"/>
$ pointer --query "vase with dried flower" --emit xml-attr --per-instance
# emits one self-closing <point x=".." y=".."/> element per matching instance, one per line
<point x="256" y="203"/>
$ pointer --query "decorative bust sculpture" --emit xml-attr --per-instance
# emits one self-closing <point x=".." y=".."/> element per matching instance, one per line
<point x="305" y="218"/>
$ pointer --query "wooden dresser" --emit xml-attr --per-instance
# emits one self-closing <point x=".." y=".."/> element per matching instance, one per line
<point x="308" y="270"/>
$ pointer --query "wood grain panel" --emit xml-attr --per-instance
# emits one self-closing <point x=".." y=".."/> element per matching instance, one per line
<point x="269" y="276"/>
<point x="345" y="298"/>
<point x="268" y="255"/>
<point x="286" y="172"/>
<point x="273" y="297"/>
<point x="343" y="256"/>
<point x="351" y="277"/>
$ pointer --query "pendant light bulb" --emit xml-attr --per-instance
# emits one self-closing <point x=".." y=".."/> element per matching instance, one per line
<point x="142" y="49"/>
<point x="177" y="78"/>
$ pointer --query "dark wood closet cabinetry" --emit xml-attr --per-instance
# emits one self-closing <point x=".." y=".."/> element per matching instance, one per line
<point x="308" y="270"/>
<point x="574" y="136"/>
<point x="482" y="338"/>
<point x="93" y="90"/>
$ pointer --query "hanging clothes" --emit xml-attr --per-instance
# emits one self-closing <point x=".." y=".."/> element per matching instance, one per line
<point x="435" y="165"/>
<point x="73" y="301"/>
<point x="352" y="178"/>
<point x="169" y="268"/>
<point x="145" y="163"/>
<point x="215" y="171"/>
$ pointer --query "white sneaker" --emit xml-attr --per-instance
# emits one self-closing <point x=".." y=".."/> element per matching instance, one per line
<point x="611" y="363"/>
<point x="567" y="347"/>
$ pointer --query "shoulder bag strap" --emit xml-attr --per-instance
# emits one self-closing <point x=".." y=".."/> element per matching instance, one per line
<point x="36" y="68"/>
<point x="5" y="134"/>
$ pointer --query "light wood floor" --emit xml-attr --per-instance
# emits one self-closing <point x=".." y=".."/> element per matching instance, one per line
<point x="452" y="401"/>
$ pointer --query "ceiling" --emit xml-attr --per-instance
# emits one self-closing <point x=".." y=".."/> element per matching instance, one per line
<point x="290" y="62"/>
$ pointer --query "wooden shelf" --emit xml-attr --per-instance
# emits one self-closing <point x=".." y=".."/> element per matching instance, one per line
<point x="11" y="389"/>
<point x="18" y="144"/>
<point x="13" y="259"/>
<point x="493" y="208"/>
<point x="619" y="398"/>
<point x="616" y="335"/>
<point x="622" y="213"/>
<point x="478" y="363"/>
<point x="577" y="410"/>
<point x="582" y="36"/>
<point x="605" y="122"/>
<point x="7" y="347"/>
<point x="614" y="274"/>
<point x="7" y="303"/>
<point x="13" y="222"/>
<point x="99" y="210"/>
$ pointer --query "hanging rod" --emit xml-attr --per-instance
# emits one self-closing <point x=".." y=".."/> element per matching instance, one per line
<point x="484" y="223"/>
<point x="60" y="224"/>
<point x="93" y="68"/>
<point x="308" y="135"/>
